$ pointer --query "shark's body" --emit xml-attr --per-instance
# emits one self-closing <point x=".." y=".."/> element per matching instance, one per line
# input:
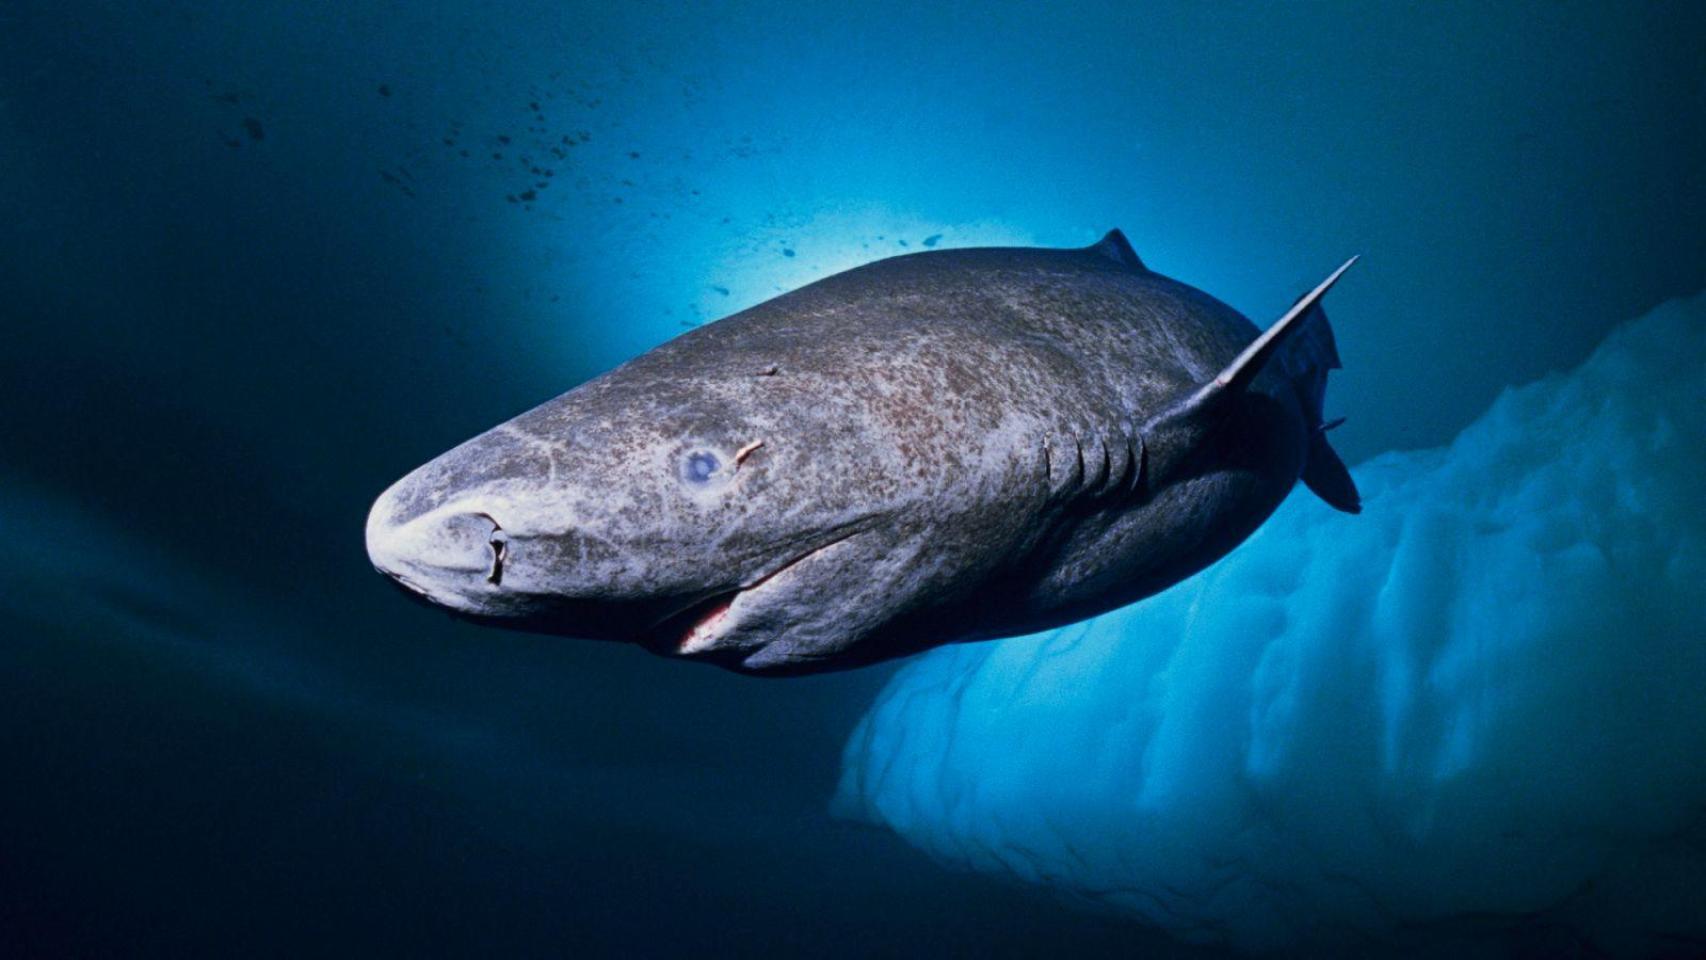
<point x="946" y="446"/>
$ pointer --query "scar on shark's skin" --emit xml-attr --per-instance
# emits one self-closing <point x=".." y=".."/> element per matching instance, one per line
<point x="743" y="452"/>
<point x="922" y="509"/>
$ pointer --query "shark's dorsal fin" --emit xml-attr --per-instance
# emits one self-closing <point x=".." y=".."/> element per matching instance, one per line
<point x="1117" y="248"/>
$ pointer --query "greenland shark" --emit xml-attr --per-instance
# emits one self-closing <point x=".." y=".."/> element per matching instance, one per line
<point x="944" y="446"/>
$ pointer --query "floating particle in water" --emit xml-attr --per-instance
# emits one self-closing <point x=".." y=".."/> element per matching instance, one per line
<point x="464" y="153"/>
<point x="253" y="127"/>
<point x="787" y="251"/>
<point x="722" y="290"/>
<point x="932" y="239"/>
<point x="534" y="106"/>
<point x="903" y="243"/>
<point x="396" y="181"/>
<point x="503" y="138"/>
<point x="633" y="154"/>
<point x="497" y="156"/>
<point x="510" y="197"/>
<point x="385" y="89"/>
<point x="450" y="141"/>
<point x="528" y="195"/>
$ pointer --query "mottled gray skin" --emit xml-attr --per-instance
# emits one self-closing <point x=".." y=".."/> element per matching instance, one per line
<point x="953" y="447"/>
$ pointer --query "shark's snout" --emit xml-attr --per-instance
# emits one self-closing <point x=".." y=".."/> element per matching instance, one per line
<point x="452" y="555"/>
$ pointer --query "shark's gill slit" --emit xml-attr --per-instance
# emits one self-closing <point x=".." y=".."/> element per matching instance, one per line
<point x="499" y="542"/>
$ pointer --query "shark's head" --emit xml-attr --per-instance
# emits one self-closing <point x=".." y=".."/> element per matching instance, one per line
<point x="702" y="503"/>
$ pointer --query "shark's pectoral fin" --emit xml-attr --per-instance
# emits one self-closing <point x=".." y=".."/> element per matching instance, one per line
<point x="1254" y="357"/>
<point x="1175" y="435"/>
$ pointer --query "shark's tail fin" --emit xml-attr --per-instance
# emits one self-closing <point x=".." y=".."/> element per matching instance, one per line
<point x="1301" y="346"/>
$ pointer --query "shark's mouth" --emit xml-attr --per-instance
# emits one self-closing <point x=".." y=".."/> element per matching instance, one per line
<point x="696" y="629"/>
<point x="703" y="629"/>
<point x="670" y="634"/>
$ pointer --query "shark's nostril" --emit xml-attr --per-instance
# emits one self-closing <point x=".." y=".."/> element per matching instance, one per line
<point x="499" y="542"/>
<point x="500" y="549"/>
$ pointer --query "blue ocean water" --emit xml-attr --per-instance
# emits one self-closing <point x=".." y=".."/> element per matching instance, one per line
<point x="257" y="259"/>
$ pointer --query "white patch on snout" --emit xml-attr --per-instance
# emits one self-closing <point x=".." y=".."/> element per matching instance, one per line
<point x="448" y="539"/>
<point x="446" y="554"/>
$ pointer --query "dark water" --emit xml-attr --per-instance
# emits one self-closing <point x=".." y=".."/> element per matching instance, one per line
<point x="259" y="259"/>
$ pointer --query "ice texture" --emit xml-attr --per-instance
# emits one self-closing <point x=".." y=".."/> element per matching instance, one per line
<point x="1473" y="716"/>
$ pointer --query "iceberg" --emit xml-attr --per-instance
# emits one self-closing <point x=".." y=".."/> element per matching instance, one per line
<point x="1473" y="716"/>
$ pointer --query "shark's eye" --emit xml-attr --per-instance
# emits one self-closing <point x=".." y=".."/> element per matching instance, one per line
<point x="700" y="467"/>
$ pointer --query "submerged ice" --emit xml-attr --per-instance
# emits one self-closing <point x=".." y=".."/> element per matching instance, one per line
<point x="1476" y="711"/>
